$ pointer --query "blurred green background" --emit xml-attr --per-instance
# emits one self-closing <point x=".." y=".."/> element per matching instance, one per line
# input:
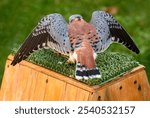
<point x="18" y="18"/>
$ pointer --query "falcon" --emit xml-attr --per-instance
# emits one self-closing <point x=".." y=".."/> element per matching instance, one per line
<point x="78" y="39"/>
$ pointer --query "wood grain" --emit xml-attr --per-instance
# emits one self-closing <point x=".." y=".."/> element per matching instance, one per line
<point x="133" y="87"/>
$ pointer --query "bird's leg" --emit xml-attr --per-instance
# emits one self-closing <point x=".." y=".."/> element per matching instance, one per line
<point x="71" y="59"/>
<point x="59" y="54"/>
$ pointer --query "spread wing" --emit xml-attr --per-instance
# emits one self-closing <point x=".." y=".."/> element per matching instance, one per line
<point x="109" y="31"/>
<point x="51" y="32"/>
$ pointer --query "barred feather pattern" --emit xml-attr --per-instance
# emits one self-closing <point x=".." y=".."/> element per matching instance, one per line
<point x="111" y="31"/>
<point x="51" y="32"/>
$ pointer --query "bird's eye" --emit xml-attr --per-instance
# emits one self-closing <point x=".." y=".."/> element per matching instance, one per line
<point x="78" y="18"/>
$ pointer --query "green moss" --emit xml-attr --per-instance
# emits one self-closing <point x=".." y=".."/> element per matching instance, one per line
<point x="111" y="64"/>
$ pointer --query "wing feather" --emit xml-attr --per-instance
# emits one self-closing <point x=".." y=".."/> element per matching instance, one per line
<point x="51" y="32"/>
<point x="111" y="31"/>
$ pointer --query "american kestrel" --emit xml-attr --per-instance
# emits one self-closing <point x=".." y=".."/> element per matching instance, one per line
<point x="79" y="40"/>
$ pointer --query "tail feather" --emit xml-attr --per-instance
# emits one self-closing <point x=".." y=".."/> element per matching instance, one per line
<point x="84" y="73"/>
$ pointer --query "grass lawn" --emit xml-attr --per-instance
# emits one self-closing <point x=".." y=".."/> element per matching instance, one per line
<point x="18" y="18"/>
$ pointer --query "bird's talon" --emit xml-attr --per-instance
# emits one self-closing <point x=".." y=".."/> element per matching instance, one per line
<point x="69" y="62"/>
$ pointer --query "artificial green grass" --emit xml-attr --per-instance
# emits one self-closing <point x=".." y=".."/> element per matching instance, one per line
<point x="110" y="64"/>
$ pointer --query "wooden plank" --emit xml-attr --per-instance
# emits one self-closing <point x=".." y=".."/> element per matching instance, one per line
<point x="6" y="89"/>
<point x="94" y="96"/>
<point x="71" y="92"/>
<point x="133" y="87"/>
<point x="54" y="89"/>
<point x="4" y="82"/>
<point x="40" y="87"/>
<point x="122" y="90"/>
<point x="20" y="82"/>
<point x="30" y="86"/>
<point x="142" y="85"/>
<point x="82" y="95"/>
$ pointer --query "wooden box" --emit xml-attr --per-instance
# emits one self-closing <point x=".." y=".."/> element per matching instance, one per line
<point x="27" y="81"/>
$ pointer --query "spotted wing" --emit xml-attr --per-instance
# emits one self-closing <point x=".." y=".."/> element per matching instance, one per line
<point x="111" y="31"/>
<point x="51" y="32"/>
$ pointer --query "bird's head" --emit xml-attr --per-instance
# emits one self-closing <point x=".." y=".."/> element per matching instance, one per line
<point x="75" y="17"/>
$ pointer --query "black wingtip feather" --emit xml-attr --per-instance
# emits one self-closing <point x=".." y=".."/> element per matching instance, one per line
<point x="121" y="36"/>
<point x="18" y="58"/>
<point x="13" y="63"/>
<point x="137" y="51"/>
<point x="30" y="44"/>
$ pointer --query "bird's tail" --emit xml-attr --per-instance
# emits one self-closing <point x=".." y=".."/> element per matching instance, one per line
<point x="84" y="73"/>
<point x="85" y="63"/>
